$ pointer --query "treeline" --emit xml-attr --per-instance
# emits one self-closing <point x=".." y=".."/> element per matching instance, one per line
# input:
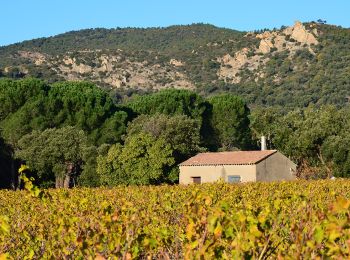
<point x="73" y="133"/>
<point x="172" y="40"/>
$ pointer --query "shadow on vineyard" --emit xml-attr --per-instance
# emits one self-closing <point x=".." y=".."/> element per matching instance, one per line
<point x="298" y="220"/>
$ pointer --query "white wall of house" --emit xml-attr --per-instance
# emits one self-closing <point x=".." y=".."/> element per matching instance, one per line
<point x="212" y="173"/>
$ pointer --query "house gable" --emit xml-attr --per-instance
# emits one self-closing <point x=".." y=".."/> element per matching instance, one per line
<point x="276" y="167"/>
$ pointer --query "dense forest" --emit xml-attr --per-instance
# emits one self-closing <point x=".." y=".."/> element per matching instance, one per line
<point x="266" y="68"/>
<point x="77" y="134"/>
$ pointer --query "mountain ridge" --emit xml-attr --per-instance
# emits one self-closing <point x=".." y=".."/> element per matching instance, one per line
<point x="262" y="66"/>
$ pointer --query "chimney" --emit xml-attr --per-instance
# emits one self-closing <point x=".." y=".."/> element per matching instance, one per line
<point x="263" y="143"/>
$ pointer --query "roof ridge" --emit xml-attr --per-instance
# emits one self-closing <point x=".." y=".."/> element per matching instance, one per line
<point x="228" y="158"/>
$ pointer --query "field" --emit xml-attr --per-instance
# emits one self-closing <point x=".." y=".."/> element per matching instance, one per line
<point x="292" y="220"/>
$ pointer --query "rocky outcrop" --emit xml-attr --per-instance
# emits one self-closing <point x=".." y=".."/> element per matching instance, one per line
<point x="176" y="63"/>
<point x="35" y="57"/>
<point x="265" y="46"/>
<point x="281" y="40"/>
<point x="270" y="42"/>
<point x="300" y="34"/>
<point x="231" y="66"/>
<point x="70" y="65"/>
<point x="120" y="72"/>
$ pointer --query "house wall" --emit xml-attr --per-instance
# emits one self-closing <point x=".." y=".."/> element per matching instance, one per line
<point x="275" y="167"/>
<point x="212" y="173"/>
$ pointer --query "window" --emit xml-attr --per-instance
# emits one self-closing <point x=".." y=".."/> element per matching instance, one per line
<point x="196" y="180"/>
<point x="233" y="178"/>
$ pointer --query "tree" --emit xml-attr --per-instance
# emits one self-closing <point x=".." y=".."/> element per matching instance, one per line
<point x="230" y="121"/>
<point x="88" y="176"/>
<point x="263" y="122"/>
<point x="180" y="132"/>
<point x="140" y="161"/>
<point x="69" y="104"/>
<point x="112" y="129"/>
<point x="321" y="21"/>
<point x="31" y="105"/>
<point x="55" y="154"/>
<point x="15" y="93"/>
<point x="89" y="108"/>
<point x="301" y="135"/>
<point x="170" y="102"/>
<point x="336" y="150"/>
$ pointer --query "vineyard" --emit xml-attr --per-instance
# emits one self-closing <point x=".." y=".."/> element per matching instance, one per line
<point x="293" y="220"/>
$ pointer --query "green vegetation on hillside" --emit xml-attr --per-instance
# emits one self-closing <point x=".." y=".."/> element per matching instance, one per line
<point x="129" y="39"/>
<point x="304" y="79"/>
<point x="191" y="44"/>
<point x="311" y="75"/>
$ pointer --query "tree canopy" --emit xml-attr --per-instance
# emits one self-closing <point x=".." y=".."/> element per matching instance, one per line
<point x="142" y="160"/>
<point x="55" y="154"/>
<point x="170" y="102"/>
<point x="77" y="104"/>
<point x="315" y="138"/>
<point x="230" y="121"/>
<point x="15" y="93"/>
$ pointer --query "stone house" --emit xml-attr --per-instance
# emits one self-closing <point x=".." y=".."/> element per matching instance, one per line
<point x="238" y="166"/>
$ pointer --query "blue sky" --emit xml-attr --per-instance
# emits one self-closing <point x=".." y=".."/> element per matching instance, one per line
<point x="27" y="19"/>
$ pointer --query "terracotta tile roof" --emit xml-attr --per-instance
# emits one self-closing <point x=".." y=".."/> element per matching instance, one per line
<point x="221" y="158"/>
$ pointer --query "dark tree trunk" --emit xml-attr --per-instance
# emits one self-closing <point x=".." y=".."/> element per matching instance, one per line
<point x="13" y="173"/>
<point x="65" y="181"/>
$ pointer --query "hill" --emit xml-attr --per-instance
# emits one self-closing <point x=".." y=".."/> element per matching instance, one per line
<point x="292" y="66"/>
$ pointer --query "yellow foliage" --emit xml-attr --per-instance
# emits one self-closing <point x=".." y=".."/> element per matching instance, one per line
<point x="293" y="220"/>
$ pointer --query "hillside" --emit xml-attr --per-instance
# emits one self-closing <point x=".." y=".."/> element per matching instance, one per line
<point x="292" y="66"/>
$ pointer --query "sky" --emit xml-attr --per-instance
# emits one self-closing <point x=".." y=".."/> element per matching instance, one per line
<point x="28" y="19"/>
